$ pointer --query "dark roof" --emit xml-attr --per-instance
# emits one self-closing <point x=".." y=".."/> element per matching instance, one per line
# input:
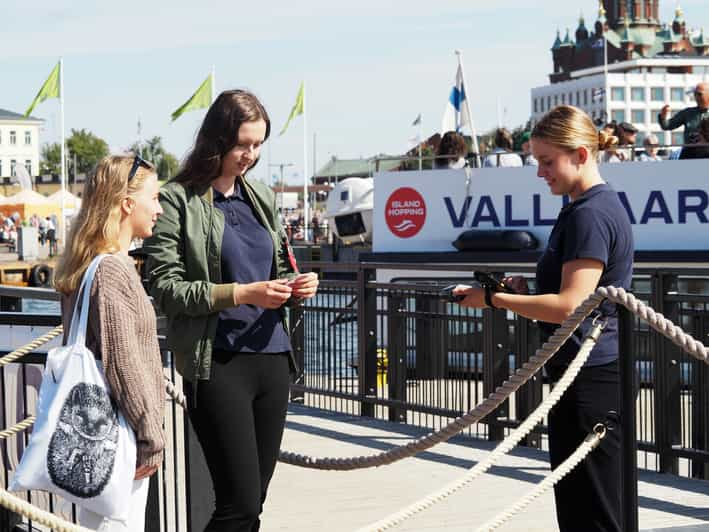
<point x="341" y="168"/>
<point x="9" y="115"/>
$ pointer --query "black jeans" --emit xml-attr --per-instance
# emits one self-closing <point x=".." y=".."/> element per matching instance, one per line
<point x="588" y="499"/>
<point x="239" y="419"/>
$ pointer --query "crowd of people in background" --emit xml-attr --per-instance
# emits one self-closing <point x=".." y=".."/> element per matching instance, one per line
<point x="46" y="230"/>
<point x="317" y="230"/>
<point x="513" y="150"/>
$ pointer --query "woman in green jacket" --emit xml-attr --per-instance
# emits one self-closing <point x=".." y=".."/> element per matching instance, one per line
<point x="222" y="271"/>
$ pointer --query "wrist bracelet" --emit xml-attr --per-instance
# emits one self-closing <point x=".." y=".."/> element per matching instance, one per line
<point x="488" y="297"/>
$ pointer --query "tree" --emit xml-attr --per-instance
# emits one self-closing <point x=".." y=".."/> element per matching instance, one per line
<point x="88" y="149"/>
<point x="50" y="159"/>
<point x="152" y="150"/>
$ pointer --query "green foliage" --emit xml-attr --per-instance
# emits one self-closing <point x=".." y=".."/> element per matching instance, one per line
<point x="50" y="158"/>
<point x="413" y="164"/>
<point x="152" y="150"/>
<point x="88" y="149"/>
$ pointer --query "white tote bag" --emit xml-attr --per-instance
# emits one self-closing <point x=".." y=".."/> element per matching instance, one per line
<point x="81" y="447"/>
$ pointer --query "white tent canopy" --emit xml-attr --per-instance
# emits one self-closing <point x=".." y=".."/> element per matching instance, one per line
<point x="70" y="201"/>
<point x="28" y="197"/>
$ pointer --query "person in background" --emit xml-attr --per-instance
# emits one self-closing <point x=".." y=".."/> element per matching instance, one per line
<point x="221" y="269"/>
<point x="590" y="245"/>
<point x="120" y="203"/>
<point x="690" y="117"/>
<point x="609" y="154"/>
<point x="451" y="151"/>
<point x="627" y="137"/>
<point x="701" y="149"/>
<point x="501" y="156"/>
<point x="651" y="145"/>
<point x="527" y="157"/>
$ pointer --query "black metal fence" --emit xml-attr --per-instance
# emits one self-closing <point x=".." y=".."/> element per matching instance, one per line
<point x="384" y="345"/>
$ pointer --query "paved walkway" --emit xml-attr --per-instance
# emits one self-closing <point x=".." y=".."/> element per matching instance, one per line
<point x="309" y="500"/>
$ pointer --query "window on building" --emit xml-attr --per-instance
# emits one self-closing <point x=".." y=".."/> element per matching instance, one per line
<point x="13" y="137"/>
<point x="657" y="94"/>
<point x="563" y="99"/>
<point x="585" y="97"/>
<point x="535" y="105"/>
<point x="548" y="103"/>
<point x="13" y="165"/>
<point x="28" y="167"/>
<point x="1" y="168"/>
<point x="677" y="138"/>
<point x="0" y="136"/>
<point x="618" y="94"/>
<point x="637" y="94"/>
<point x="556" y="100"/>
<point x="677" y="94"/>
<point x="28" y="138"/>
<point x="618" y="115"/>
<point x="637" y="116"/>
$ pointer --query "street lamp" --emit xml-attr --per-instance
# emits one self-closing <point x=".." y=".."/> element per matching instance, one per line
<point x="282" y="166"/>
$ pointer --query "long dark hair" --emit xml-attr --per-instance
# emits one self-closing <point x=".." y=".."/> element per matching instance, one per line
<point x="219" y="134"/>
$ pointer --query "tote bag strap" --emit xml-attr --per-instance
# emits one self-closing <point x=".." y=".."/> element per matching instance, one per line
<point x="79" y="319"/>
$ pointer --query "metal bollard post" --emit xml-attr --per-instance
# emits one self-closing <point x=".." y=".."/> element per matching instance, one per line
<point x="629" y="442"/>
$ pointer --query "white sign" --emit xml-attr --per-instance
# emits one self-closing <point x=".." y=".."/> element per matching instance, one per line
<point x="667" y="203"/>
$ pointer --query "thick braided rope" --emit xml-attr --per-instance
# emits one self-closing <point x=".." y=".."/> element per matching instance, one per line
<point x="496" y="398"/>
<point x="593" y="439"/>
<point x="18" y="506"/>
<point x="34" y="344"/>
<point x="17" y="428"/>
<point x="503" y="448"/>
<point x="657" y="321"/>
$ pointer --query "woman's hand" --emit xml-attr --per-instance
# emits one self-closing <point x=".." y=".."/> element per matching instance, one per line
<point x="474" y="297"/>
<point x="145" y="471"/>
<point x="517" y="283"/>
<point x="305" y="285"/>
<point x="264" y="294"/>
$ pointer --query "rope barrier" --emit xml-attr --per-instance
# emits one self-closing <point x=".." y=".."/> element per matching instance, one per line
<point x="501" y="393"/>
<point x="26" y="349"/>
<point x="17" y="428"/>
<point x="593" y="440"/>
<point x="504" y="447"/>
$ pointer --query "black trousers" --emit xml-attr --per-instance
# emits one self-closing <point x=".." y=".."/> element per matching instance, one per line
<point x="588" y="499"/>
<point x="239" y="419"/>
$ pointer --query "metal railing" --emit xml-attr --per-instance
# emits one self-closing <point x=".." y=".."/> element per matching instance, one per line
<point x="391" y="349"/>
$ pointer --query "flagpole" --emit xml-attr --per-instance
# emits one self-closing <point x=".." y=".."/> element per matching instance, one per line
<point x="62" y="176"/>
<point x="467" y="97"/>
<point x="605" y="79"/>
<point x="420" y="139"/>
<point x="306" y="219"/>
<point x="214" y="82"/>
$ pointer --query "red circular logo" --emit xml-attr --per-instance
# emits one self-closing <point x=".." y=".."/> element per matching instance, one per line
<point x="405" y="212"/>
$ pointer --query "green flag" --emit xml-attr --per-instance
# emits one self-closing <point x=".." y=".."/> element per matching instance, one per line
<point x="298" y="108"/>
<point x="50" y="89"/>
<point x="201" y="99"/>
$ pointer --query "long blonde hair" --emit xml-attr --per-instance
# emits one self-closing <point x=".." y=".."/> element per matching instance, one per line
<point x="568" y="127"/>
<point x="96" y="228"/>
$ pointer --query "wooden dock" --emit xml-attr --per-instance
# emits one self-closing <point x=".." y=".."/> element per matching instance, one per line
<point x="331" y="501"/>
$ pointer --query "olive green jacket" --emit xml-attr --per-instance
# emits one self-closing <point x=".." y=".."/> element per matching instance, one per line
<point x="184" y="268"/>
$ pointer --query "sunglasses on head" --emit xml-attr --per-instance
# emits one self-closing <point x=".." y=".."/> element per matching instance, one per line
<point x="138" y="161"/>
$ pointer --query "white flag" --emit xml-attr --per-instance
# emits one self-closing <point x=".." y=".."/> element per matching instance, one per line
<point x="456" y="114"/>
<point x="22" y="177"/>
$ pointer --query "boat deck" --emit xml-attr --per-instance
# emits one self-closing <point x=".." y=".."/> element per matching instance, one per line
<point x="331" y="501"/>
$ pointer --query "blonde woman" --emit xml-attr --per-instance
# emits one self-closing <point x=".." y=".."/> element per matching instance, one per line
<point x="590" y="245"/>
<point x="120" y="204"/>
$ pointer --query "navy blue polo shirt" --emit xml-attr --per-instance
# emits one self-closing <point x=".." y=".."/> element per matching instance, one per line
<point x="247" y="257"/>
<point x="595" y="226"/>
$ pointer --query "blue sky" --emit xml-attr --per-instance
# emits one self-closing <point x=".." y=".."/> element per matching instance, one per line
<point x="370" y="66"/>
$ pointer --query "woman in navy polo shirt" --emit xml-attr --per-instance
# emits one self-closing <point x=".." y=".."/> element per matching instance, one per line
<point x="590" y="245"/>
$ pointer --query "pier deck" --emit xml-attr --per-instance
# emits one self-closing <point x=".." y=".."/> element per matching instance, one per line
<point x="332" y="501"/>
